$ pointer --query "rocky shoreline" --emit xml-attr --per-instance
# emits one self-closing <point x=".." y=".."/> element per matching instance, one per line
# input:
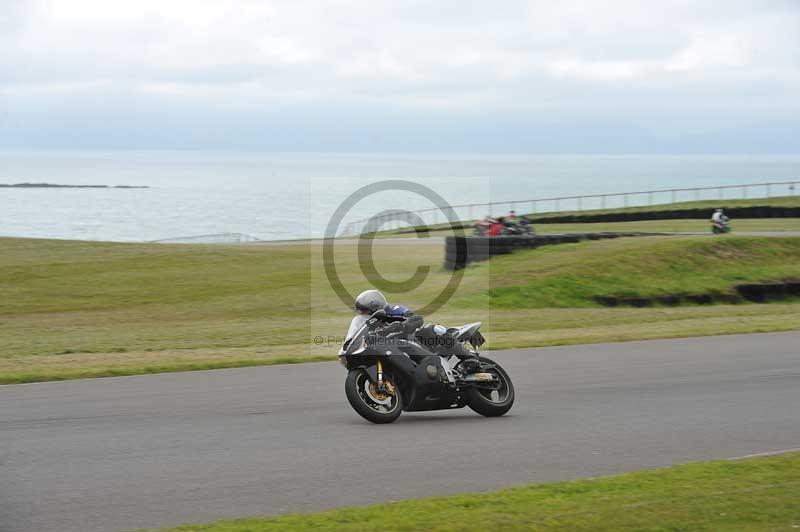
<point x="51" y="185"/>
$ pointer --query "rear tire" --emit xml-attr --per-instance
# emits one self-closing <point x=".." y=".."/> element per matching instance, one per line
<point x="361" y="402"/>
<point x="485" y="403"/>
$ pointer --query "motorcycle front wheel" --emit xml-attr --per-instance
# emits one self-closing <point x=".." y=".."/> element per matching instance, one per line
<point x="492" y="403"/>
<point x="370" y="403"/>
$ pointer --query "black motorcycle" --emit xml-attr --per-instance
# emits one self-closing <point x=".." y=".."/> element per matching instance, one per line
<point x="521" y="228"/>
<point x="722" y="226"/>
<point x="390" y="373"/>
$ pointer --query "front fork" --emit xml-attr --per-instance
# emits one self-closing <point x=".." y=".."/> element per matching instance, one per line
<point x="382" y="385"/>
<point x="379" y="366"/>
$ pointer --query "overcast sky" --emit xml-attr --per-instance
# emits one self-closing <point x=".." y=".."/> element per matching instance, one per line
<point x="435" y="75"/>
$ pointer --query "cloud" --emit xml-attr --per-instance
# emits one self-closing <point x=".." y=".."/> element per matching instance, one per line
<point x="448" y="56"/>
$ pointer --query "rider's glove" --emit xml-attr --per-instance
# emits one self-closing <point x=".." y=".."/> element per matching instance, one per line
<point x="412" y="324"/>
<point x="391" y="328"/>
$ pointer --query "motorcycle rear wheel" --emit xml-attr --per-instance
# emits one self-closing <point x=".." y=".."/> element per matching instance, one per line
<point x="492" y="403"/>
<point x="360" y="395"/>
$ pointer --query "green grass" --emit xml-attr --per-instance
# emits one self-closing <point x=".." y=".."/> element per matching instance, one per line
<point x="93" y="309"/>
<point x="571" y="275"/>
<point x="754" y="494"/>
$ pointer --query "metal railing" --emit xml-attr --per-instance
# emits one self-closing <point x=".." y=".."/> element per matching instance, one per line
<point x="218" y="238"/>
<point x="539" y="206"/>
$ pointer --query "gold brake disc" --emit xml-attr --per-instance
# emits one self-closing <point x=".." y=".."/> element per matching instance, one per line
<point x="373" y="391"/>
<point x="380" y="397"/>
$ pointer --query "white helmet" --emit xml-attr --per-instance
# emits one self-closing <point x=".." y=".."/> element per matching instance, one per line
<point x="370" y="301"/>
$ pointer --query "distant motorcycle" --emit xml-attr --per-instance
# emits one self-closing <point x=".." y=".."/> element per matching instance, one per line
<point x="501" y="227"/>
<point x="395" y="372"/>
<point x="521" y="228"/>
<point x="483" y="226"/>
<point x="721" y="226"/>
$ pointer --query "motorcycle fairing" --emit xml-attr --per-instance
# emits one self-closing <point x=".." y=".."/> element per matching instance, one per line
<point x="469" y="333"/>
<point x="431" y="390"/>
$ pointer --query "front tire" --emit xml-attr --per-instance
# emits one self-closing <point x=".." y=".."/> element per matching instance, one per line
<point x="372" y="406"/>
<point x="492" y="403"/>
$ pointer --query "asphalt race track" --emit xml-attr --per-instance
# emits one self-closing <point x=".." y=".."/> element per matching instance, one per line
<point x="133" y="452"/>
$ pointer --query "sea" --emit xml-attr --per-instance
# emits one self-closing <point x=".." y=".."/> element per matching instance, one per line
<point x="196" y="195"/>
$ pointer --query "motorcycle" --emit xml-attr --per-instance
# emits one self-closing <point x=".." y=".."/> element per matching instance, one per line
<point x="388" y="374"/>
<point x="521" y="228"/>
<point x="482" y="226"/>
<point x="721" y="226"/>
<point x="507" y="228"/>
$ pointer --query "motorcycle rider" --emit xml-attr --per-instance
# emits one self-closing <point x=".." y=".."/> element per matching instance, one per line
<point x="401" y="319"/>
<point x="483" y="225"/>
<point x="398" y="318"/>
<point x="719" y="219"/>
<point x="496" y="229"/>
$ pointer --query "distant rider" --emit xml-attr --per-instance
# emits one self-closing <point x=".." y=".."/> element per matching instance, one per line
<point x="719" y="217"/>
<point x="496" y="228"/>
<point x="483" y="225"/>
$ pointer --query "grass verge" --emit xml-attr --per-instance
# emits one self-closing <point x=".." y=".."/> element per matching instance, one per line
<point x="92" y="309"/>
<point x="572" y="276"/>
<point x="754" y="494"/>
